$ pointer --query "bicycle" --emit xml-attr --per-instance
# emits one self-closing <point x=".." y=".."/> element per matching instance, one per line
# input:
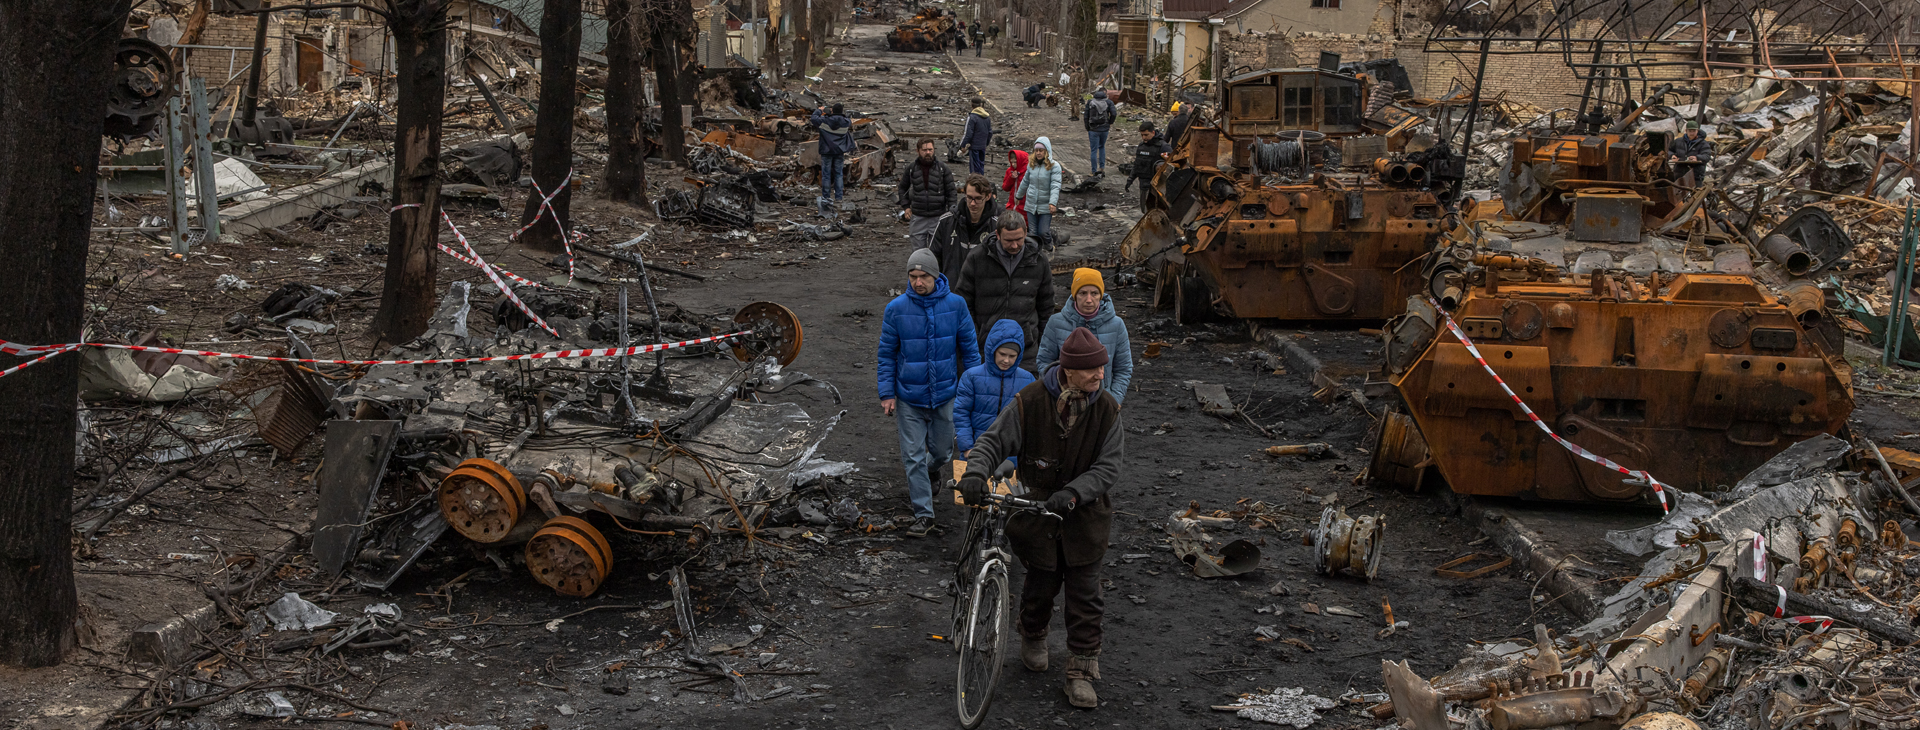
<point x="981" y="603"/>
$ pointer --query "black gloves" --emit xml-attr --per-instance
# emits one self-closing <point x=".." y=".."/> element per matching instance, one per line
<point x="973" y="489"/>
<point x="1062" y="502"/>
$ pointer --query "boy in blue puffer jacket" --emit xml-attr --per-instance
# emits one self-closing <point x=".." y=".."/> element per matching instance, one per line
<point x="926" y="341"/>
<point x="990" y="386"/>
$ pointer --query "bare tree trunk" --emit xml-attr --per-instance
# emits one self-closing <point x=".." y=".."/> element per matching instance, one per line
<point x="668" y="25"/>
<point x="775" y="69"/>
<point x="626" y="145"/>
<point x="53" y="106"/>
<point x="770" y="53"/>
<point x="802" y="37"/>
<point x="822" y="23"/>
<point x="553" y="133"/>
<point x="420" y="54"/>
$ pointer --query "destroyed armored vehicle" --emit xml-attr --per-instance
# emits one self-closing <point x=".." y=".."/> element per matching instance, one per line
<point x="1262" y="215"/>
<point x="1635" y="325"/>
<point x="928" y="31"/>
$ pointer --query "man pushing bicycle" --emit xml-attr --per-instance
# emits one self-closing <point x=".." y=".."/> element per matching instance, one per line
<point x="1066" y="431"/>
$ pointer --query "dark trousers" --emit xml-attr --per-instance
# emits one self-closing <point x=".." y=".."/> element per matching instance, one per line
<point x="976" y="161"/>
<point x="1085" y="606"/>
<point x="1697" y="169"/>
<point x="1146" y="195"/>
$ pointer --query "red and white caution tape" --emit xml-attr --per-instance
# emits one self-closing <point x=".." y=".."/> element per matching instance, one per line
<point x="495" y="276"/>
<point x="546" y="208"/>
<point x="47" y="351"/>
<point x="457" y="256"/>
<point x="1780" y="611"/>
<point x="1659" y="490"/>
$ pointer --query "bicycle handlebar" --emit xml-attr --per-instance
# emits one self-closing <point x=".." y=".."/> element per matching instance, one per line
<point x="1025" y="505"/>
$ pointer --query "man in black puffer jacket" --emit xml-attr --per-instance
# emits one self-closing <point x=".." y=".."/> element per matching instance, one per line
<point x="925" y="191"/>
<point x="1008" y="278"/>
<point x="965" y="227"/>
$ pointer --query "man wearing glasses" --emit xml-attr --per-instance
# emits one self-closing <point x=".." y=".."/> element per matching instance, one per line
<point x="964" y="227"/>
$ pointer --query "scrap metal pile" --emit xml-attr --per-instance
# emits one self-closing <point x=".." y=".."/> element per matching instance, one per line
<point x="559" y="460"/>
<point x="1627" y="309"/>
<point x="1789" y="602"/>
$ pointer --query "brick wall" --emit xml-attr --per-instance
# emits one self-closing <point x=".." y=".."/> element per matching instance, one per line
<point x="237" y="31"/>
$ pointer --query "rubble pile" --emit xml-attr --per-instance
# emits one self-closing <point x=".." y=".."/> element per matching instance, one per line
<point x="1786" y="601"/>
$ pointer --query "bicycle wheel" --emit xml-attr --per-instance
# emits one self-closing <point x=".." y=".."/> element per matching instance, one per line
<point x="982" y="644"/>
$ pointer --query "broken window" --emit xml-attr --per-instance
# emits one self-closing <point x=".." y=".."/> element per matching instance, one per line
<point x="1341" y="104"/>
<point x="1296" y="106"/>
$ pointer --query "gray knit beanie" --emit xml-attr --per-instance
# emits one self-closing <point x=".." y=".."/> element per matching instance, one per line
<point x="923" y="260"/>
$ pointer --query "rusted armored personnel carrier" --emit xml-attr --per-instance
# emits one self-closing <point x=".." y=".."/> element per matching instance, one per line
<point x="1260" y="214"/>
<point x="927" y="31"/>
<point x="1633" y="326"/>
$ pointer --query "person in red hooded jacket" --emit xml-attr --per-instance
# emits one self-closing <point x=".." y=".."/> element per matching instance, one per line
<point x="1016" y="174"/>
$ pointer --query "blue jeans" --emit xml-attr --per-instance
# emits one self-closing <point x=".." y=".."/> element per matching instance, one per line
<point x="833" y="177"/>
<point x="1039" y="225"/>
<point x="926" y="441"/>
<point x="976" y="161"/>
<point x="1098" y="138"/>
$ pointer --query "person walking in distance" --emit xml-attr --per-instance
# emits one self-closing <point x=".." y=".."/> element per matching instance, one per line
<point x="1013" y="177"/>
<point x="1146" y="161"/>
<point x="966" y="226"/>
<point x="836" y="141"/>
<point x="924" y="192"/>
<point x="1066" y="432"/>
<point x="1008" y="278"/>
<point x="979" y="37"/>
<point x="1090" y="307"/>
<point x="1040" y="193"/>
<point x="925" y="343"/>
<point x="977" y="137"/>
<point x="1099" y="117"/>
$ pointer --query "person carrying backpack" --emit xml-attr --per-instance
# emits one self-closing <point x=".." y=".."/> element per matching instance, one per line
<point x="836" y="141"/>
<point x="1098" y="117"/>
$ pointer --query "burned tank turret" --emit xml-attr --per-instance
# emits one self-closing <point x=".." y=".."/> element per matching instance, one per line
<point x="1290" y="207"/>
<point x="1635" y="325"/>
<point x="927" y="31"/>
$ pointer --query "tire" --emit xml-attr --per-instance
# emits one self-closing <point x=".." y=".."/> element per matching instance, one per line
<point x="983" y="646"/>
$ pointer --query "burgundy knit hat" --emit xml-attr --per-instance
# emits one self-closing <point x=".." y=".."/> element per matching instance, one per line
<point x="1082" y="351"/>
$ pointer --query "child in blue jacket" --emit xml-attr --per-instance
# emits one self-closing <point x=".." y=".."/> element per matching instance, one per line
<point x="990" y="386"/>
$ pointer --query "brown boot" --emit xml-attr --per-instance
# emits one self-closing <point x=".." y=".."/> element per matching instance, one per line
<point x="1033" y="653"/>
<point x="1081" y="671"/>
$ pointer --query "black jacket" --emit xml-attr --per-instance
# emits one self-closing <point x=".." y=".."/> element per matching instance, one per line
<point x="958" y="236"/>
<point x="1146" y="157"/>
<point x="925" y="191"/>
<point x="1683" y="148"/>
<point x="1024" y="296"/>
<point x="1177" y="127"/>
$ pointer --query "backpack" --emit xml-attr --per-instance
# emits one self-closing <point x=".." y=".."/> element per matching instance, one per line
<point x="1099" y="113"/>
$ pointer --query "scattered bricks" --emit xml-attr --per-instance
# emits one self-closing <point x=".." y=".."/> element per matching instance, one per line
<point x="170" y="642"/>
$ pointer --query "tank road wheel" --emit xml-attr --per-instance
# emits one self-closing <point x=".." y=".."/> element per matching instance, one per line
<point x="1192" y="303"/>
<point x="481" y="500"/>
<point x="776" y="332"/>
<point x="569" y="556"/>
<point x="1400" y="454"/>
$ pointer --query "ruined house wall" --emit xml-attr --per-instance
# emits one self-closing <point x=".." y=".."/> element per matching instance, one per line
<point x="236" y="31"/>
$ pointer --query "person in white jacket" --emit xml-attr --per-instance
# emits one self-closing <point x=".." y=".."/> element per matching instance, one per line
<point x="1041" y="191"/>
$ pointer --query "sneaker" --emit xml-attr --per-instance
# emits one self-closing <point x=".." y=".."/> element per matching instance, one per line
<point x="920" y="527"/>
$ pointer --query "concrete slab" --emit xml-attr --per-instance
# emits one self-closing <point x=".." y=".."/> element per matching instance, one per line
<point x="301" y="201"/>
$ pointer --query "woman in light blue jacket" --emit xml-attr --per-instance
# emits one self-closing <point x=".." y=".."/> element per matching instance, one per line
<point x="1091" y="307"/>
<point x="1041" y="191"/>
